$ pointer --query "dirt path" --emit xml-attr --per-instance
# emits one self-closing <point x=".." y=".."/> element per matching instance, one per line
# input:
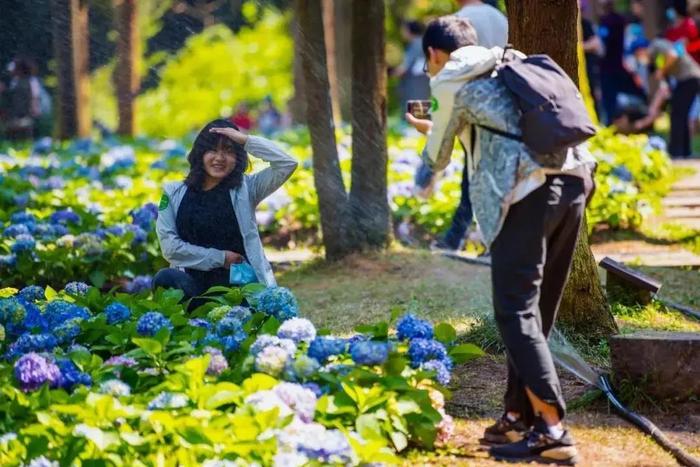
<point x="681" y="207"/>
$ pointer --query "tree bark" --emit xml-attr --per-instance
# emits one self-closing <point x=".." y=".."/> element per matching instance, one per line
<point x="336" y="221"/>
<point x="297" y="104"/>
<point x="128" y="57"/>
<point x="70" y="41"/>
<point x="343" y="55"/>
<point x="329" y="36"/>
<point x="551" y="27"/>
<point x="368" y="193"/>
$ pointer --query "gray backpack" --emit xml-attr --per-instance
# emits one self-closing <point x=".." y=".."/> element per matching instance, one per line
<point x="554" y="116"/>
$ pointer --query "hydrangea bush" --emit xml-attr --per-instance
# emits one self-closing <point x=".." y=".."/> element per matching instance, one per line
<point x="139" y="381"/>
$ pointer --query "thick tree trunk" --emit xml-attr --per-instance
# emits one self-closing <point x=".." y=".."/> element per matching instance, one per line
<point x="343" y="55"/>
<point x="127" y="70"/>
<point x="551" y="27"/>
<point x="332" y="197"/>
<point x="297" y="104"/>
<point x="368" y="193"/>
<point x="70" y="41"/>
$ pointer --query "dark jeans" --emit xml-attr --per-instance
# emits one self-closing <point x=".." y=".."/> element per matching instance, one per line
<point x="681" y="101"/>
<point x="171" y="278"/>
<point x="462" y="218"/>
<point x="530" y="262"/>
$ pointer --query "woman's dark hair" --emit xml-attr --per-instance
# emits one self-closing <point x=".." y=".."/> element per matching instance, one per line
<point x="449" y="33"/>
<point x="206" y="142"/>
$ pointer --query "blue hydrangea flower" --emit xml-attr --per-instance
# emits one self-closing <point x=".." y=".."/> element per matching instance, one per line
<point x="71" y="376"/>
<point x="200" y="323"/>
<point x="23" y="217"/>
<point x="330" y="446"/>
<point x="12" y="311"/>
<point x="228" y="326"/>
<point x="278" y="302"/>
<point x="32" y="293"/>
<point x="424" y="350"/>
<point x="145" y="216"/>
<point x="8" y="261"/>
<point x="140" y="235"/>
<point x="442" y="373"/>
<point x="16" y="230"/>
<point x="324" y="346"/>
<point x="116" y="313"/>
<point x="116" y="230"/>
<point x="120" y="360"/>
<point x="139" y="284"/>
<point x="315" y="388"/>
<point x="301" y="368"/>
<point x="67" y="331"/>
<point x="266" y="340"/>
<point x="168" y="400"/>
<point x="369" y="352"/>
<point x="34" y="319"/>
<point x="357" y="338"/>
<point x="21" y="200"/>
<point x="240" y="313"/>
<point x="297" y="329"/>
<point x="152" y="322"/>
<point x="58" y="312"/>
<point x="32" y="371"/>
<point x="23" y="242"/>
<point x="115" y="387"/>
<point x="31" y="343"/>
<point x="232" y="342"/>
<point x="76" y="288"/>
<point x="65" y="216"/>
<point x="411" y="327"/>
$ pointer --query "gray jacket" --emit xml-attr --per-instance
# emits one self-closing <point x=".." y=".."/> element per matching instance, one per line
<point x="253" y="190"/>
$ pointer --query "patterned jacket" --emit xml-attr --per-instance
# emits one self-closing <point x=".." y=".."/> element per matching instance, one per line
<point x="502" y="170"/>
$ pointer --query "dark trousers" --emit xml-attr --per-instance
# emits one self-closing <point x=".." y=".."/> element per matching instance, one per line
<point x="530" y="262"/>
<point x="462" y="218"/>
<point x="171" y="278"/>
<point x="681" y="101"/>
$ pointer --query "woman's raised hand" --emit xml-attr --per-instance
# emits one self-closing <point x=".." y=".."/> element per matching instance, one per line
<point x="231" y="133"/>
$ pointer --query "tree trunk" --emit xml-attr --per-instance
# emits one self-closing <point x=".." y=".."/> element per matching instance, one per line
<point x="329" y="37"/>
<point x="70" y="41"/>
<point x="297" y="104"/>
<point x="654" y="17"/>
<point x="533" y="24"/>
<point x="332" y="197"/>
<point x="127" y="70"/>
<point x="343" y="55"/>
<point x="368" y="193"/>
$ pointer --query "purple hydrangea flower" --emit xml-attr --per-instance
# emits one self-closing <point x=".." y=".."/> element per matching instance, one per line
<point x="200" y="323"/>
<point x="266" y="340"/>
<point x="369" y="352"/>
<point x="300" y="399"/>
<point x="140" y="235"/>
<point x="116" y="313"/>
<point x="152" y="322"/>
<point x="139" y="284"/>
<point x="297" y="329"/>
<point x="324" y="346"/>
<point x="120" y="360"/>
<point x="442" y="373"/>
<point x="271" y="361"/>
<point x="32" y="371"/>
<point x="217" y="363"/>
<point x="411" y="327"/>
<point x="76" y="288"/>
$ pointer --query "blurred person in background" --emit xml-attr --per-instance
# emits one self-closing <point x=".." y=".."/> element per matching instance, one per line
<point x="242" y="118"/>
<point x="594" y="50"/>
<point x="612" y="71"/>
<point x="269" y="118"/>
<point x="21" y="100"/>
<point x="490" y="24"/>
<point x="413" y="82"/>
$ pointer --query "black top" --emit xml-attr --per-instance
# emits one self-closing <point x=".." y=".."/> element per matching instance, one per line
<point x="612" y="32"/>
<point x="207" y="219"/>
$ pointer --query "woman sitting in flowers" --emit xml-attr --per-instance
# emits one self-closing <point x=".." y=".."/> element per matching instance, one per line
<point x="207" y="223"/>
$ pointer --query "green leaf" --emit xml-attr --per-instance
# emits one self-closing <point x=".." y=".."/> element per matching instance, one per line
<point x="368" y="426"/>
<point x="150" y="346"/>
<point x="98" y="278"/>
<point x="270" y="327"/>
<point x="465" y="352"/>
<point x="399" y="439"/>
<point x="445" y="333"/>
<point x="50" y="293"/>
<point x="81" y="358"/>
<point x="195" y="435"/>
<point x="395" y="364"/>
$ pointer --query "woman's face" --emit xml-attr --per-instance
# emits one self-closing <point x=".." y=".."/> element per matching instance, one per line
<point x="219" y="164"/>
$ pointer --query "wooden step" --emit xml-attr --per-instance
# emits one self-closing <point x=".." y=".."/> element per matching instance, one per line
<point x="672" y="200"/>
<point x="682" y="212"/>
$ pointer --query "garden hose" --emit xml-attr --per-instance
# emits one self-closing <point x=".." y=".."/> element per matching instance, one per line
<point x="645" y="425"/>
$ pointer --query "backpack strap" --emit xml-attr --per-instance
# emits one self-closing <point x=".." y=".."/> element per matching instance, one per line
<point x="502" y="133"/>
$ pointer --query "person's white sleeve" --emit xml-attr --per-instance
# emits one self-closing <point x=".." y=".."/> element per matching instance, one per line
<point x="178" y="252"/>
<point x="443" y="97"/>
<point x="282" y="166"/>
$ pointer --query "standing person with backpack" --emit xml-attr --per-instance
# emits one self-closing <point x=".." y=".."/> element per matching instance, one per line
<point x="529" y="186"/>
